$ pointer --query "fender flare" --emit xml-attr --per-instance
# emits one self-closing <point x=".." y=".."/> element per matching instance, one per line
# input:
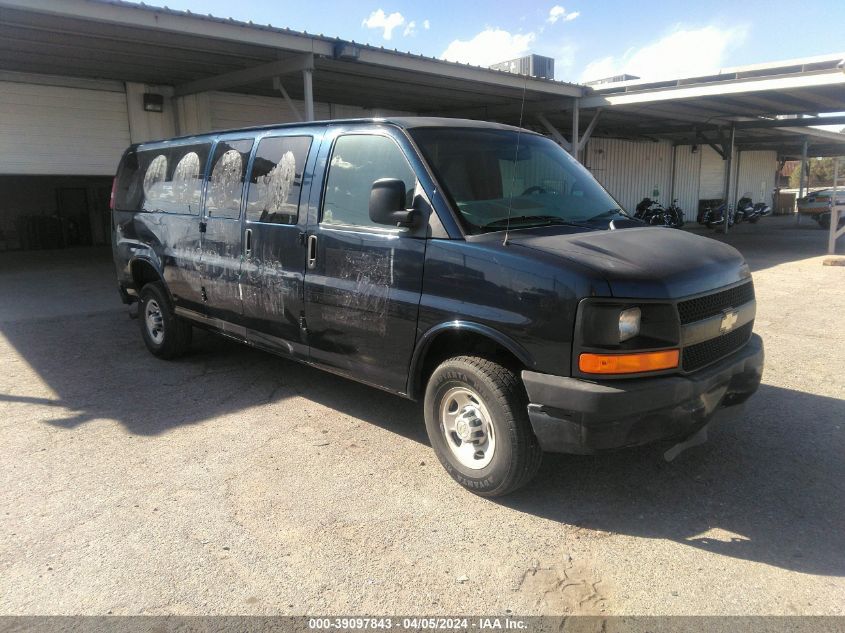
<point x="148" y="261"/>
<point x="425" y="341"/>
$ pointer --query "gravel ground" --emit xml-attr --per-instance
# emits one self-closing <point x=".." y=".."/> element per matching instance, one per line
<point x="235" y="482"/>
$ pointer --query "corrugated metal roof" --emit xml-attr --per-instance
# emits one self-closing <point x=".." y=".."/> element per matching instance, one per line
<point x="331" y="39"/>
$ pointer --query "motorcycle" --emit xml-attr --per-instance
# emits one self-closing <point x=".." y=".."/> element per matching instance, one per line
<point x="652" y="212"/>
<point x="747" y="210"/>
<point x="675" y="215"/>
<point x="715" y="216"/>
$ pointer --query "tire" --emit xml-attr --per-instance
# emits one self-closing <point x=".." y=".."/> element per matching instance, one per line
<point x="484" y="403"/>
<point x="755" y="219"/>
<point x="165" y="335"/>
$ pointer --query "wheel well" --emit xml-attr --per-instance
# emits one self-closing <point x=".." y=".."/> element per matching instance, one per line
<point x="143" y="273"/>
<point x="458" y="343"/>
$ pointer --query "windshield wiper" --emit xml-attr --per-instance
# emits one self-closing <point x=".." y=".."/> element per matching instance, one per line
<point x="540" y="221"/>
<point x="609" y="213"/>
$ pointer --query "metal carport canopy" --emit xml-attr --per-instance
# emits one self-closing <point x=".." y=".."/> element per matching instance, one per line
<point x="127" y="42"/>
<point x="753" y="100"/>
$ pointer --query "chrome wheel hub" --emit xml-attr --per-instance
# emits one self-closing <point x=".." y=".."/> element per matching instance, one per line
<point x="467" y="429"/>
<point x="154" y="321"/>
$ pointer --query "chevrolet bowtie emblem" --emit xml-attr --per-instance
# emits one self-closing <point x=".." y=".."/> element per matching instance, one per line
<point x="729" y="318"/>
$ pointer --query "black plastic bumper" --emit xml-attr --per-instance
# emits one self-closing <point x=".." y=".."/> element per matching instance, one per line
<point x="570" y="415"/>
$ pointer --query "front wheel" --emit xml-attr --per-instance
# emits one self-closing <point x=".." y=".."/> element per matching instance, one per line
<point x="477" y="421"/>
<point x="165" y="335"/>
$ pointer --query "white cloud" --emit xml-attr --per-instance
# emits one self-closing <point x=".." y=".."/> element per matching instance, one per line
<point x="380" y="20"/>
<point x="557" y="12"/>
<point x="411" y="29"/>
<point x="488" y="47"/>
<point x="426" y="24"/>
<point x="684" y="52"/>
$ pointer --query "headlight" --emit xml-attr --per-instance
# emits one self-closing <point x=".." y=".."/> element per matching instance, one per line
<point x="629" y="323"/>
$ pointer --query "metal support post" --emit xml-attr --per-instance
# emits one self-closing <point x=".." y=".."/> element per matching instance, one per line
<point x="308" y="90"/>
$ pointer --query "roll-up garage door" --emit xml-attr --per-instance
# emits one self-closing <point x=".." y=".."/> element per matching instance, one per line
<point x="56" y="130"/>
<point x="712" y="182"/>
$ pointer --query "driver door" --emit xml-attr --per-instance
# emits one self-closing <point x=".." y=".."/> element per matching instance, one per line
<point x="363" y="281"/>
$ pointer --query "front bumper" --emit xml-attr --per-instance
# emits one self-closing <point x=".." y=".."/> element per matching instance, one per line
<point x="571" y="415"/>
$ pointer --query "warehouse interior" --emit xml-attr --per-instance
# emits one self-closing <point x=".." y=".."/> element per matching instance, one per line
<point x="81" y="80"/>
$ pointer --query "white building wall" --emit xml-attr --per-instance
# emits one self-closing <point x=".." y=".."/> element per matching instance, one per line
<point x="210" y="111"/>
<point x="231" y="110"/>
<point x="757" y="175"/>
<point x="150" y="126"/>
<point x="687" y="179"/>
<point x="631" y="170"/>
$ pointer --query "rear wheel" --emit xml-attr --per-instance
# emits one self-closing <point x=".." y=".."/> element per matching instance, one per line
<point x="165" y="335"/>
<point x="477" y="420"/>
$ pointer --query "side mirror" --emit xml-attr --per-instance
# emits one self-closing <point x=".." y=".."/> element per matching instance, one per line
<point x="387" y="203"/>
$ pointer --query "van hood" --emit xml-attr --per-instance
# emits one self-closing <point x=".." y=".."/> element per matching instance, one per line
<point x="644" y="263"/>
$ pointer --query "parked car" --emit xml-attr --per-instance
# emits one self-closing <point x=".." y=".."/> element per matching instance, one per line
<point x="817" y="203"/>
<point x="824" y="220"/>
<point x="474" y="266"/>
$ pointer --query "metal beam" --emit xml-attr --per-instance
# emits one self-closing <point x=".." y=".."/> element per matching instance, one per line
<point x="729" y="151"/>
<point x="247" y="75"/>
<point x="589" y="131"/>
<point x="556" y="135"/>
<point x="308" y="91"/>
<point x="719" y="149"/>
<point x="835" y="208"/>
<point x="576" y="147"/>
<point x="802" y="183"/>
<point x="715" y="89"/>
<point x="780" y="123"/>
<point x="278" y="85"/>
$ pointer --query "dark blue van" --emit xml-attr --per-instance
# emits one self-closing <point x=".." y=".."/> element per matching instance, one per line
<point x="474" y="266"/>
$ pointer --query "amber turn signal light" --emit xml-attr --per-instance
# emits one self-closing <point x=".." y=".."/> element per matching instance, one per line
<point x="628" y="363"/>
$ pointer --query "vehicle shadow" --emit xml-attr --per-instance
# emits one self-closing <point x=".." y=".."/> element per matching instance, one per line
<point x="769" y="486"/>
<point x="98" y="368"/>
<point x="772" y="241"/>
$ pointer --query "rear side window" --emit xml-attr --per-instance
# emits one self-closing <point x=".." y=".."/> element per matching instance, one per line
<point x="275" y="183"/>
<point x="167" y="180"/>
<point x="226" y="180"/>
<point x="358" y="160"/>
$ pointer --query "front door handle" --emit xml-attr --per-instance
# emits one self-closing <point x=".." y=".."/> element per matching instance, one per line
<point x="248" y="243"/>
<point x="312" y="251"/>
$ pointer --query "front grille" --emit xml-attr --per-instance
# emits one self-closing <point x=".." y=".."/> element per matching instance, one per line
<point x="710" y="305"/>
<point x="701" y="354"/>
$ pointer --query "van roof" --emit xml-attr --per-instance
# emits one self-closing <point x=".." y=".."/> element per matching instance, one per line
<point x="409" y="122"/>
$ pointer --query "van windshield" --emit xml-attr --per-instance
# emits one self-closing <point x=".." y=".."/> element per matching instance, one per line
<point x="489" y="179"/>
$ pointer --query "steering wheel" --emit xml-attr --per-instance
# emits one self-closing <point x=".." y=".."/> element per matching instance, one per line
<point x="534" y="189"/>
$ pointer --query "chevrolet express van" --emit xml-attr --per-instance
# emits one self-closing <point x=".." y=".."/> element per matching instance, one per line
<point x="474" y="266"/>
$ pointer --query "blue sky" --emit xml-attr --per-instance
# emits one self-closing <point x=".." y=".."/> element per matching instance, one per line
<point x="589" y="39"/>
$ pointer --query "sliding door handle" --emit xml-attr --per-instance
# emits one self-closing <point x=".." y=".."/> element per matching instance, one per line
<point x="312" y="251"/>
<point x="248" y="242"/>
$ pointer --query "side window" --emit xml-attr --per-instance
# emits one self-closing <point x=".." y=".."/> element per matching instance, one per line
<point x="276" y="179"/>
<point x="171" y="178"/>
<point x="358" y="160"/>
<point x="226" y="180"/>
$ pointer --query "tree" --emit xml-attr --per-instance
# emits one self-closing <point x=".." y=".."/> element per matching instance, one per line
<point x="820" y="170"/>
